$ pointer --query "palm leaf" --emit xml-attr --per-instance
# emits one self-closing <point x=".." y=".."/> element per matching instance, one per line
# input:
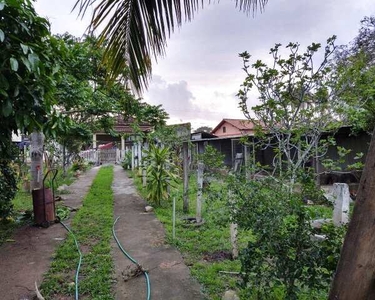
<point x="135" y="30"/>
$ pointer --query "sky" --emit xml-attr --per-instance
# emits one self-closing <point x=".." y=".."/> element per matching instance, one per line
<point x="201" y="73"/>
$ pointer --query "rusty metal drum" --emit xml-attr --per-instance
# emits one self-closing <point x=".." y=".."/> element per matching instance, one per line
<point x="44" y="206"/>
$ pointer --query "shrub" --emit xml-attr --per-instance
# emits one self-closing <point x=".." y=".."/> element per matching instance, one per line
<point x="8" y="188"/>
<point x="160" y="173"/>
<point x="283" y="258"/>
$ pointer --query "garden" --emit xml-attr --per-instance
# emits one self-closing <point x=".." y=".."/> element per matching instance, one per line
<point x="249" y="229"/>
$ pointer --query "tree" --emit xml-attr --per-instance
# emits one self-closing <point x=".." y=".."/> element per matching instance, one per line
<point x="355" y="71"/>
<point x="355" y="272"/>
<point x="27" y="78"/>
<point x="136" y="30"/>
<point x="297" y="103"/>
<point x="203" y="129"/>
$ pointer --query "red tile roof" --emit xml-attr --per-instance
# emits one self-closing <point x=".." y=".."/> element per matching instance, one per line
<point x="241" y="124"/>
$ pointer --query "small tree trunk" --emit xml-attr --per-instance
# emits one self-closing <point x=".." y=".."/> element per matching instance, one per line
<point x="36" y="155"/>
<point x="355" y="273"/>
<point x="64" y="160"/>
<point x="185" y="155"/>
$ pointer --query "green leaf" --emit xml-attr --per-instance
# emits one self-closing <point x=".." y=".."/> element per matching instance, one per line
<point x="34" y="60"/>
<point x="14" y="64"/>
<point x="26" y="62"/>
<point x="7" y="108"/>
<point x="2" y="35"/>
<point x="25" y="48"/>
<point x="2" y="4"/>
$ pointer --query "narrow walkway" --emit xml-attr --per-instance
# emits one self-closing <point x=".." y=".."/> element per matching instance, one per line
<point x="143" y="237"/>
<point x="26" y="260"/>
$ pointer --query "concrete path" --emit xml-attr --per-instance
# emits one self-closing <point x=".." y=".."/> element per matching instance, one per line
<point x="26" y="260"/>
<point x="143" y="237"/>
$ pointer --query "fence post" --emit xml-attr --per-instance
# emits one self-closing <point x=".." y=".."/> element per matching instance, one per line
<point x="199" y="193"/>
<point x="341" y="205"/>
<point x="185" y="155"/>
<point x="233" y="228"/>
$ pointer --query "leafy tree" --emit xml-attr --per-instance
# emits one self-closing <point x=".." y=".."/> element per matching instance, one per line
<point x="136" y="30"/>
<point x="297" y="103"/>
<point x="26" y="72"/>
<point x="355" y="70"/>
<point x="27" y="81"/>
<point x="204" y="129"/>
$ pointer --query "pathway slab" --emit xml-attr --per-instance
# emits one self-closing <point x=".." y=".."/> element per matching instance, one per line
<point x="23" y="262"/>
<point x="143" y="237"/>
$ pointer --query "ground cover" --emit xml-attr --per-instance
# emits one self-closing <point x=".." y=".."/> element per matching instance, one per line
<point x="92" y="227"/>
<point x="206" y="249"/>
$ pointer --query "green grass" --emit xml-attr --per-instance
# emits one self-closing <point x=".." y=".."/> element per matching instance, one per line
<point x="196" y="243"/>
<point x="92" y="226"/>
<point x="22" y="207"/>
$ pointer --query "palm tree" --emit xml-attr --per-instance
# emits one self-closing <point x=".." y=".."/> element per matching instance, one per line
<point x="135" y="30"/>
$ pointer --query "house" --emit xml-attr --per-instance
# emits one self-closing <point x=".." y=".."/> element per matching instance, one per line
<point x="111" y="147"/>
<point x="233" y="127"/>
<point x="229" y="135"/>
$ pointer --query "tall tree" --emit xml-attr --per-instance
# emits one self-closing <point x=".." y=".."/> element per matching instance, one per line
<point x="355" y="274"/>
<point x="137" y="30"/>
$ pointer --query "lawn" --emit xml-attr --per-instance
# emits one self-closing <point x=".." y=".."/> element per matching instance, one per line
<point x="92" y="227"/>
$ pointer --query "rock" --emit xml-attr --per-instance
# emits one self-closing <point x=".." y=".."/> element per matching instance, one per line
<point x="149" y="208"/>
<point x="230" y="295"/>
<point x="63" y="187"/>
<point x="317" y="224"/>
<point x="318" y="237"/>
<point x="309" y="202"/>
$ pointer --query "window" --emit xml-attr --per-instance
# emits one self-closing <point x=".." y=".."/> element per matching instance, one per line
<point x="224" y="129"/>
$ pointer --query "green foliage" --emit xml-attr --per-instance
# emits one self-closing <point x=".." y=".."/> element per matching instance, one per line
<point x="27" y="72"/>
<point x="8" y="188"/>
<point x="282" y="261"/>
<point x="211" y="158"/>
<point x="92" y="226"/>
<point x="160" y="173"/>
<point x="127" y="162"/>
<point x="354" y="67"/>
<point x="297" y="102"/>
<point x="79" y="165"/>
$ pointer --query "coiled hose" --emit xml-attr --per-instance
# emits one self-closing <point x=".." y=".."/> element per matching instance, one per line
<point x="80" y="259"/>
<point x="148" y="286"/>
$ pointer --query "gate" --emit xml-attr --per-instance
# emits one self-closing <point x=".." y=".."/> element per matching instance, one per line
<point x="107" y="156"/>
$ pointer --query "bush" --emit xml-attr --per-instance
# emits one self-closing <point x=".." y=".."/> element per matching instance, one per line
<point x="127" y="161"/>
<point x="79" y="165"/>
<point x="282" y="261"/>
<point x="8" y="188"/>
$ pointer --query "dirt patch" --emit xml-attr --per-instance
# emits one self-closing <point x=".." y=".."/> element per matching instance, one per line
<point x="219" y="255"/>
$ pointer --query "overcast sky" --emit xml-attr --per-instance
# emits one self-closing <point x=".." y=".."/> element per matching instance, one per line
<point x="197" y="80"/>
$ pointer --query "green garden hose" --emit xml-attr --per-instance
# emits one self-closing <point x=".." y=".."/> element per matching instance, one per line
<point x="80" y="259"/>
<point x="148" y="297"/>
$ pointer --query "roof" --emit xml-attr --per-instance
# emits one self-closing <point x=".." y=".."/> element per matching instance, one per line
<point x="241" y="124"/>
<point x="125" y="126"/>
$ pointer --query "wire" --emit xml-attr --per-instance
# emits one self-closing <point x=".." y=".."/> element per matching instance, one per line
<point x="148" y="297"/>
<point x="80" y="259"/>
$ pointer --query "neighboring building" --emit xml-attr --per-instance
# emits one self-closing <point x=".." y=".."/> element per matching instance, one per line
<point x="121" y="128"/>
<point x="233" y="127"/>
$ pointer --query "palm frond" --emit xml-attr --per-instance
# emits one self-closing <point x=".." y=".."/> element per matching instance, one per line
<point x="136" y="30"/>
